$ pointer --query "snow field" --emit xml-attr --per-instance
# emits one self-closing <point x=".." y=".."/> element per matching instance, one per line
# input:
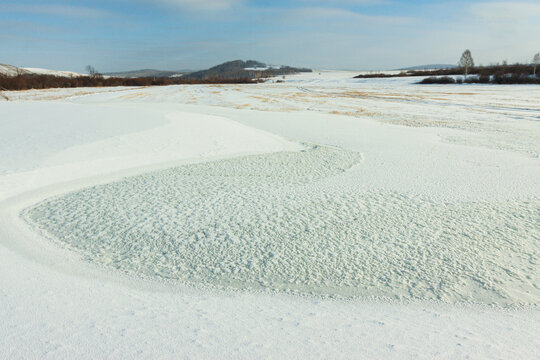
<point x="64" y="142"/>
<point x="444" y="206"/>
<point x="500" y="117"/>
<point x="266" y="222"/>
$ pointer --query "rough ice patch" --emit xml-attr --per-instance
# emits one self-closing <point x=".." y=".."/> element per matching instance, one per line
<point x="278" y="221"/>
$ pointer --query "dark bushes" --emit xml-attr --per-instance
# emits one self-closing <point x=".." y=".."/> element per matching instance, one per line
<point x="515" y="79"/>
<point x="485" y="79"/>
<point x="438" y="80"/>
<point x="36" y="81"/>
<point x="478" y="70"/>
<point x="382" y="75"/>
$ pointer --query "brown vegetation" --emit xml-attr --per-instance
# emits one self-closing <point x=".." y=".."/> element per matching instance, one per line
<point x="499" y="78"/>
<point x="36" y="81"/>
<point x="493" y="70"/>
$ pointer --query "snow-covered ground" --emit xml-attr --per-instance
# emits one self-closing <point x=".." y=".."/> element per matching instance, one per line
<point x="320" y="217"/>
<point x="52" y="72"/>
<point x="11" y="70"/>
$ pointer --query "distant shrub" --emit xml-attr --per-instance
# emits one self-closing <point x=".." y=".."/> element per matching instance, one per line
<point x="472" y="80"/>
<point x="382" y="75"/>
<point x="484" y="78"/>
<point x="477" y="70"/>
<point x="36" y="81"/>
<point x="499" y="78"/>
<point x="438" y="80"/>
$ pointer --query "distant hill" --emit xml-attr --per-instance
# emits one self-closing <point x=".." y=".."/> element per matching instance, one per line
<point x="239" y="69"/>
<point x="146" y="73"/>
<point x="11" y="70"/>
<point x="430" y="67"/>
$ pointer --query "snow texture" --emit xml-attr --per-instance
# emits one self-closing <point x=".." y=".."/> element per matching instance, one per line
<point x="419" y="205"/>
<point x="266" y="222"/>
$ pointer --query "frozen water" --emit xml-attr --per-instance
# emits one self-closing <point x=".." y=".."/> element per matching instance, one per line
<point x="277" y="221"/>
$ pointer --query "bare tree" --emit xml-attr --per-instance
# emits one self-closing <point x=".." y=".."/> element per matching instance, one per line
<point x="93" y="72"/>
<point x="90" y="70"/>
<point x="535" y="61"/>
<point x="466" y="61"/>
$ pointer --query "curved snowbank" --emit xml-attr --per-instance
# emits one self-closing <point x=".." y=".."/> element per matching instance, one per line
<point x="267" y="222"/>
<point x="46" y="143"/>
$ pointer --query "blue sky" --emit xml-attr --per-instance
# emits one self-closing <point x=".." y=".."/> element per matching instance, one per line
<point x="193" y="34"/>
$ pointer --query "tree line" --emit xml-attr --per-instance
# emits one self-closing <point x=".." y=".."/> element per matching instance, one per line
<point x="498" y="74"/>
<point x="466" y="62"/>
<point x="26" y="81"/>
<point x="495" y="74"/>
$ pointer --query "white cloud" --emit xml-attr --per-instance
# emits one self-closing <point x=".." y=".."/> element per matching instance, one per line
<point x="311" y="33"/>
<point x="56" y="10"/>
<point x="336" y="14"/>
<point x="506" y="11"/>
<point x="329" y="19"/>
<point x="348" y="2"/>
<point x="200" y="5"/>
<point x="509" y="30"/>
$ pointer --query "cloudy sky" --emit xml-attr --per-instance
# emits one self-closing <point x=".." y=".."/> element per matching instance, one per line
<point x="118" y="35"/>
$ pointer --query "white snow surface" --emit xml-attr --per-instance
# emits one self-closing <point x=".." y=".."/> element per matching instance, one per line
<point x="11" y="70"/>
<point x="53" y="72"/>
<point x="323" y="217"/>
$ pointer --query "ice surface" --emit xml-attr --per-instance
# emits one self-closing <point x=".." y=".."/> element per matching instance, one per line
<point x="268" y="222"/>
